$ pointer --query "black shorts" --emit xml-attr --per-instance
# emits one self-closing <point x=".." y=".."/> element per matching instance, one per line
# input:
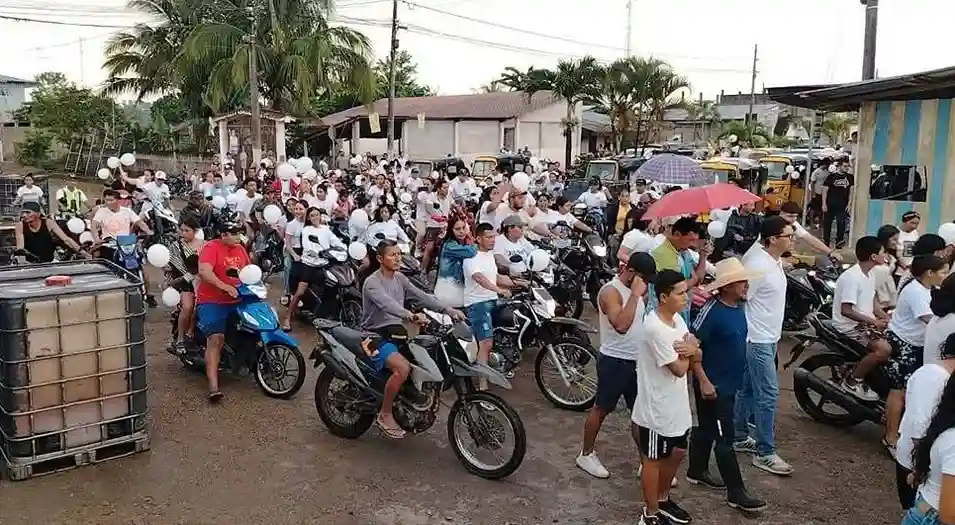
<point x="654" y="446"/>
<point x="432" y="234"/>
<point x="615" y="378"/>
<point x="815" y="203"/>
<point x="182" y="285"/>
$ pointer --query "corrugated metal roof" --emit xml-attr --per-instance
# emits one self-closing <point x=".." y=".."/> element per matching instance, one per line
<point x="595" y="122"/>
<point x="482" y="106"/>
<point x="14" y="80"/>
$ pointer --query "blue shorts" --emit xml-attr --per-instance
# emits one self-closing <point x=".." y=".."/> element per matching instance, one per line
<point x="212" y="317"/>
<point x="479" y="315"/>
<point x="385" y="349"/>
<point x="615" y="378"/>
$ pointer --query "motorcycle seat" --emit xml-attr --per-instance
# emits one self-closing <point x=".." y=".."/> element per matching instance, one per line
<point x="352" y="339"/>
<point x="835" y="333"/>
<point x="425" y="340"/>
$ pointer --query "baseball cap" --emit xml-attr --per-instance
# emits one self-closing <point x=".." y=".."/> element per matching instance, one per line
<point x="33" y="207"/>
<point x="513" y="220"/>
<point x="643" y="264"/>
<point x="160" y="175"/>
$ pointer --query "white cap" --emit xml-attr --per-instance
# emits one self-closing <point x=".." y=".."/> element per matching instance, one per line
<point x="160" y="175"/>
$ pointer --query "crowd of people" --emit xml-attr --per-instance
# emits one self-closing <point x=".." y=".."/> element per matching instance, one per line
<point x="689" y="327"/>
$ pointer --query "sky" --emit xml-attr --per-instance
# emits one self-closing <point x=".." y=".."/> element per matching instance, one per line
<point x="711" y="42"/>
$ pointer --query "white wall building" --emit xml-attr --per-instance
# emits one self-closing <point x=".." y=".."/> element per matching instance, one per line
<point x="12" y="95"/>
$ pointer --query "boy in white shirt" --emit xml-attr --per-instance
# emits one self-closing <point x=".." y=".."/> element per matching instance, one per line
<point x="661" y="417"/>
<point x="856" y="313"/>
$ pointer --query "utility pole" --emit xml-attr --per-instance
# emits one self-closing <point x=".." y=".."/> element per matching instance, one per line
<point x="629" y="26"/>
<point x="82" y="69"/>
<point x="871" y="29"/>
<point x="750" y="118"/>
<point x="392" y="72"/>
<point x="253" y="96"/>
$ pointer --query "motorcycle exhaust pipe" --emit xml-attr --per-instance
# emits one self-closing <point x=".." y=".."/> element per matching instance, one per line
<point x="805" y="379"/>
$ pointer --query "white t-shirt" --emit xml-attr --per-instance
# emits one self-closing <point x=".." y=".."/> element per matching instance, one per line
<point x="442" y="209"/>
<point x="502" y="212"/>
<point x="942" y="464"/>
<point x="153" y="190"/>
<point x="922" y="394"/>
<point x="593" y="200"/>
<point x="766" y="301"/>
<point x="389" y="229"/>
<point x="328" y="204"/>
<point x="637" y="241"/>
<point x="612" y="342"/>
<point x="855" y="288"/>
<point x="913" y="303"/>
<point x="937" y="331"/>
<point x="31" y="194"/>
<point x="462" y="189"/>
<point x="482" y="263"/>
<point x="663" y="400"/>
<point x="904" y="255"/>
<point x="326" y="238"/>
<point x="540" y="217"/>
<point x="115" y="223"/>
<point x="566" y="217"/>
<point x="506" y="248"/>
<point x="421" y="208"/>
<point x="243" y="203"/>
<point x="294" y="230"/>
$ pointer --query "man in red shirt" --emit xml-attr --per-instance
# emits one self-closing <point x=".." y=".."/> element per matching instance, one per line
<point x="217" y="297"/>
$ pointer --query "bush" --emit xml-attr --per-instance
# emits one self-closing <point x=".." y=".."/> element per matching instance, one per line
<point x="34" y="150"/>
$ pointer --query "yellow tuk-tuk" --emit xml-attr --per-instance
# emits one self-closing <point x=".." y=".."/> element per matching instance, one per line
<point x="726" y="169"/>
<point x="425" y="167"/>
<point x="785" y="179"/>
<point x="483" y="167"/>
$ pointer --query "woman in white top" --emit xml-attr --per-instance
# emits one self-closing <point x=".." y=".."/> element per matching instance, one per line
<point x="933" y="462"/>
<point x="293" y="247"/>
<point x="882" y="275"/>
<point x="29" y="192"/>
<point x="908" y="234"/>
<point x="304" y="274"/>
<point x="384" y="224"/>
<point x="636" y="238"/>
<point x="906" y="335"/>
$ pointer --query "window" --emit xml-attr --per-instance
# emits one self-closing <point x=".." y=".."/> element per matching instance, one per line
<point x="898" y="183"/>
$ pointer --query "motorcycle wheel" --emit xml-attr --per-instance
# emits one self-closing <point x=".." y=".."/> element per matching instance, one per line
<point x="816" y="409"/>
<point x="581" y="365"/>
<point x="328" y="413"/>
<point x="270" y="363"/>
<point x="463" y="424"/>
<point x="574" y="305"/>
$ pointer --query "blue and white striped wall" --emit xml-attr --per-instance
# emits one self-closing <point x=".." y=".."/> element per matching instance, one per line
<point x="915" y="132"/>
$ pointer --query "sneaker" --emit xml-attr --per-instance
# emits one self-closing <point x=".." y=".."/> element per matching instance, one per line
<point x="746" y="446"/>
<point x="673" y="484"/>
<point x="741" y="500"/>
<point x="705" y="479"/>
<point x="860" y="391"/>
<point x="653" y="519"/>
<point x="674" y="512"/>
<point x="773" y="464"/>
<point x="591" y="465"/>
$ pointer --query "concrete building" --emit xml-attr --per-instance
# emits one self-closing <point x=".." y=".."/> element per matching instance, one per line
<point x="678" y="127"/>
<point x="12" y="95"/>
<point x="463" y="125"/>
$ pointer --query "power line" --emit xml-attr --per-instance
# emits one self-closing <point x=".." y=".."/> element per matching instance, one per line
<point x="59" y="23"/>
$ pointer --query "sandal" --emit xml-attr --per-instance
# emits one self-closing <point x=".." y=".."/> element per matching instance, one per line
<point x="393" y="433"/>
<point x="889" y="448"/>
<point x="215" y="396"/>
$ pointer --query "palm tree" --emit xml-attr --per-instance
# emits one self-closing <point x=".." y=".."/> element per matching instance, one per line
<point x="663" y="86"/>
<point x="494" y="86"/>
<point x="514" y="79"/>
<point x="615" y="95"/>
<point x="704" y="112"/>
<point x="754" y="136"/>
<point x="836" y="127"/>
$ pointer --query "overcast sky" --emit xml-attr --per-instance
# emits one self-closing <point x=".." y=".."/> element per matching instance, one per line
<point x="709" y="41"/>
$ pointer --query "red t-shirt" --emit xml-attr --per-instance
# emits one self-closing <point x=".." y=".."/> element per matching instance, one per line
<point x="222" y="257"/>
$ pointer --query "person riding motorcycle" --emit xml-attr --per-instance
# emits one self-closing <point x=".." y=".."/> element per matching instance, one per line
<point x="70" y="200"/>
<point x="198" y="208"/>
<point x="383" y="298"/>
<point x="304" y="273"/>
<point x="40" y="235"/>
<point x="113" y="220"/>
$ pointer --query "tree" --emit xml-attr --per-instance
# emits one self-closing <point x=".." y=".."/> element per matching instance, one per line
<point x="706" y="113"/>
<point x="406" y="81"/>
<point x="836" y="127"/>
<point x="571" y="80"/>
<point x="66" y="111"/>
<point x="494" y="86"/>
<point x="754" y="136"/>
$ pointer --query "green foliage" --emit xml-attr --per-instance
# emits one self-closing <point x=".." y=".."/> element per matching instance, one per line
<point x="836" y="127"/>
<point x="756" y="136"/>
<point x="67" y="111"/>
<point x="406" y="85"/>
<point x="35" y="148"/>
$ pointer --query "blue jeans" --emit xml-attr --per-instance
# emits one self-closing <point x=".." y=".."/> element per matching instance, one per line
<point x="286" y="273"/>
<point x="914" y="517"/>
<point x="759" y="397"/>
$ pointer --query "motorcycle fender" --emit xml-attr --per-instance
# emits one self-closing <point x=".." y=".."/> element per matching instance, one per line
<point x="344" y="371"/>
<point x="339" y="357"/>
<point x="423" y="369"/>
<point x="805" y="341"/>
<point x="494" y="377"/>
<point x="277" y="337"/>
<point x="574" y="322"/>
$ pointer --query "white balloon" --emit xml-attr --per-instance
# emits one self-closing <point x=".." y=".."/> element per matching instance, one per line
<point x="310" y="174"/>
<point x="170" y="297"/>
<point x="86" y="237"/>
<point x="304" y="164"/>
<point x="218" y="202"/>
<point x="286" y="171"/>
<point x="520" y="181"/>
<point x="103" y="173"/>
<point x="113" y="162"/>
<point x="947" y="232"/>
<point x="272" y="214"/>
<point x="539" y="260"/>
<point x="794" y="176"/>
<point x="360" y="219"/>
<point x="357" y="250"/>
<point x="127" y="159"/>
<point x="267" y="162"/>
<point x="251" y="274"/>
<point x="76" y="225"/>
<point x="200" y="234"/>
<point x="716" y="229"/>
<point x="720" y="215"/>
<point x="790" y="168"/>
<point x="158" y="255"/>
<point x="406" y="198"/>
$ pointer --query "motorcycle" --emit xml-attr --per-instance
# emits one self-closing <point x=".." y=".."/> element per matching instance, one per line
<point x="808" y="290"/>
<point x="127" y="254"/>
<point x="840" y="357"/>
<point x="163" y="222"/>
<point x="564" y="351"/>
<point x="267" y="251"/>
<point x="338" y="297"/>
<point x="254" y="341"/>
<point x="348" y="393"/>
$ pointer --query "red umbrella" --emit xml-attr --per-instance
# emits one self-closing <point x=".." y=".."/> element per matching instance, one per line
<point x="698" y="200"/>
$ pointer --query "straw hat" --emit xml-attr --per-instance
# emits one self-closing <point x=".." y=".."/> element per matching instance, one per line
<point x="729" y="271"/>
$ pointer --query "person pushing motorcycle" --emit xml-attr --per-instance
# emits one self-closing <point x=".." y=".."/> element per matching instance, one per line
<point x="383" y="297"/>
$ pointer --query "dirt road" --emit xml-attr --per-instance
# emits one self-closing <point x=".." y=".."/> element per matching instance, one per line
<point x="261" y="461"/>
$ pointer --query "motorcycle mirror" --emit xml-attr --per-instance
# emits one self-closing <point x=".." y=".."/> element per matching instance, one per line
<point x="232" y="272"/>
<point x="380" y="236"/>
<point x="313" y="238"/>
<point x="516" y="259"/>
<point x="562" y="223"/>
<point x="437" y="206"/>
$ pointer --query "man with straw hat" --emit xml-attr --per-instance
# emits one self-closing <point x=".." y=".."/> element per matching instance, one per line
<point x="721" y="328"/>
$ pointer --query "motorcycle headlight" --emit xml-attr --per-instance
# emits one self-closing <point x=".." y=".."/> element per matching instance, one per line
<point x="600" y="251"/>
<point x="547" y="277"/>
<point x="247" y="317"/>
<point x="259" y="290"/>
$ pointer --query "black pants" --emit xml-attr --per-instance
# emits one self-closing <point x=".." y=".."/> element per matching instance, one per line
<point x="716" y="432"/>
<point x="906" y="492"/>
<point x="841" y="217"/>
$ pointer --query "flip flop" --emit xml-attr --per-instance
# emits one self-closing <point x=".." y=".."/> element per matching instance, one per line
<point x="392" y="433"/>
<point x="286" y="327"/>
<point x="889" y="448"/>
<point x="215" y="396"/>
